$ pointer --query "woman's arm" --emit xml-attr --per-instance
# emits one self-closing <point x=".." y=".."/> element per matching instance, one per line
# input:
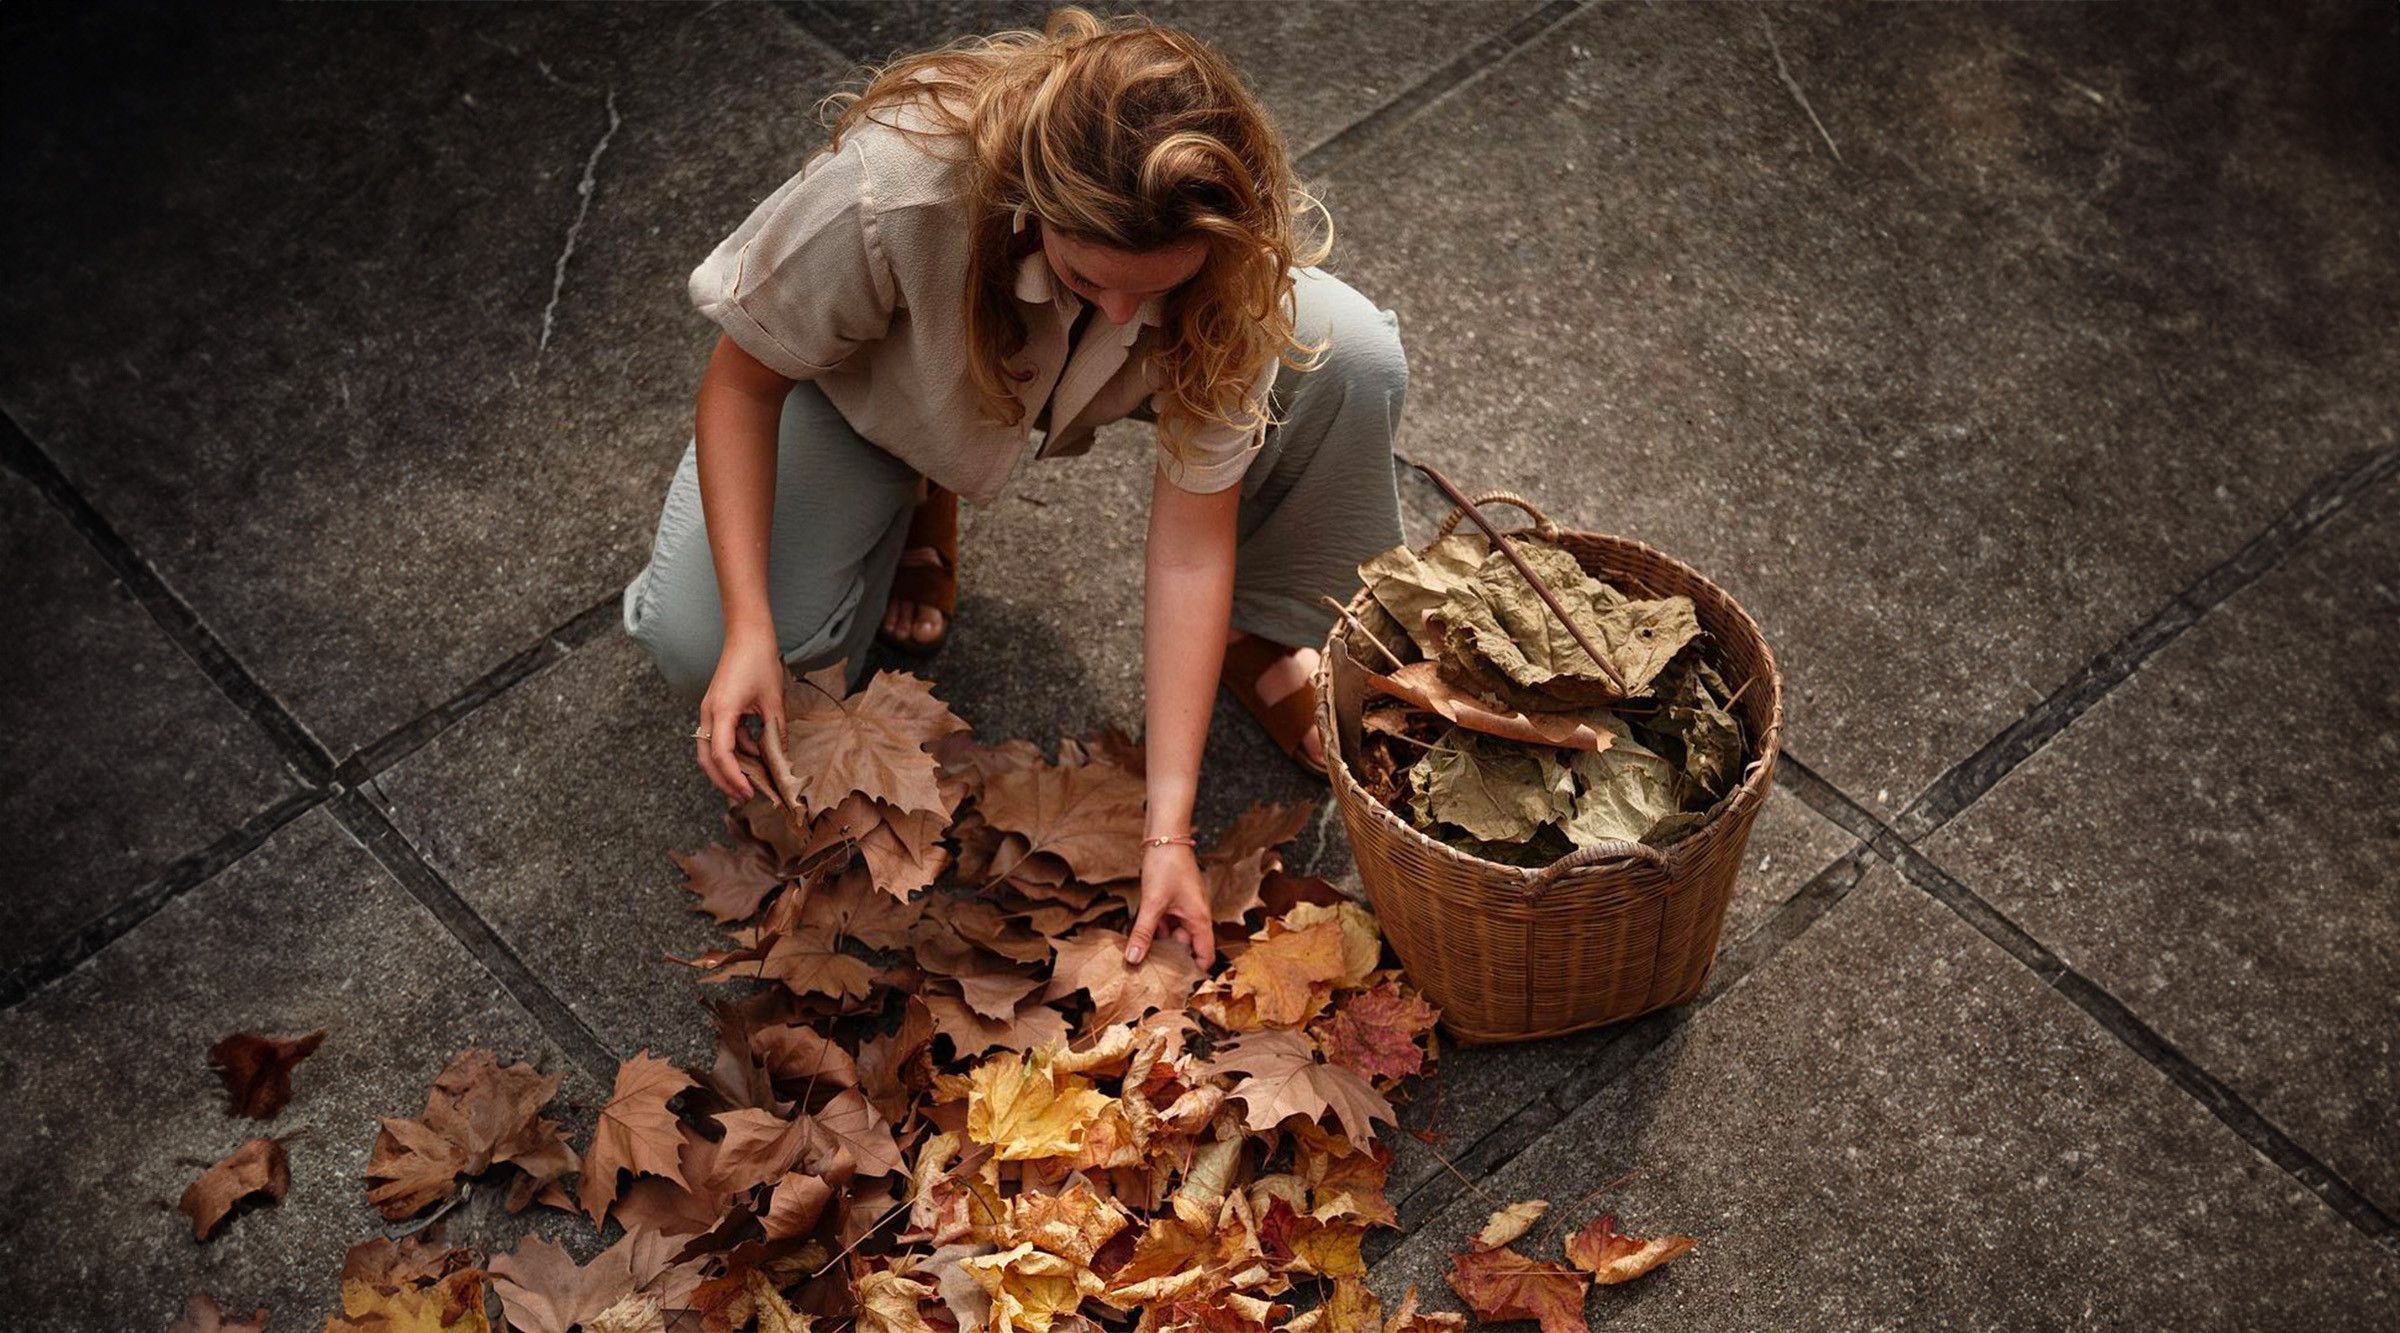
<point x="734" y="430"/>
<point x="1187" y="600"/>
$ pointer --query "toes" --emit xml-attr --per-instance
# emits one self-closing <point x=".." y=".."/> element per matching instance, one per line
<point x="929" y="625"/>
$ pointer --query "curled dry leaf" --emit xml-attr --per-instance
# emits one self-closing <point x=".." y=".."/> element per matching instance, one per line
<point x="1612" y="1257"/>
<point x="257" y="1168"/>
<point x="1509" y="1223"/>
<point x="257" y="1070"/>
<point x="636" y="1132"/>
<point x="728" y="883"/>
<point x="480" y="1112"/>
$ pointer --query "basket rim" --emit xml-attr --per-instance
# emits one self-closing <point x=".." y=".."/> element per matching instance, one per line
<point x="1756" y="775"/>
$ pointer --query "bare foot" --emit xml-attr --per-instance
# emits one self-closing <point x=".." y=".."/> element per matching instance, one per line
<point x="907" y="620"/>
<point x="1289" y="672"/>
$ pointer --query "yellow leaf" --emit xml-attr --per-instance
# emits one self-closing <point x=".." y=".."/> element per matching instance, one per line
<point x="1029" y="1288"/>
<point x="1026" y="1110"/>
<point x="1362" y="942"/>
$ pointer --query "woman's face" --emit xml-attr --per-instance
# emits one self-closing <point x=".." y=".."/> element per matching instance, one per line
<point x="1118" y="281"/>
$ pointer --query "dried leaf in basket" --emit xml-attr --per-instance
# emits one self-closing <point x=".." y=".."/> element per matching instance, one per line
<point x="1498" y="624"/>
<point x="1410" y="587"/>
<point x="1621" y="793"/>
<point x="1496" y="791"/>
<point x="1421" y="683"/>
<point x="1694" y="715"/>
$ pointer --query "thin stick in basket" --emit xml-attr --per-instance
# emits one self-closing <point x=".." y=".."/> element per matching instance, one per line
<point x="1468" y="508"/>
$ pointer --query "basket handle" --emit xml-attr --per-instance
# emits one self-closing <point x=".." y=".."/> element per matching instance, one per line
<point x="1548" y="876"/>
<point x="1547" y="530"/>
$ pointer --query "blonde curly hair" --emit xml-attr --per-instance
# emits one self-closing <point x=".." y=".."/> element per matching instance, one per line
<point x="1132" y="135"/>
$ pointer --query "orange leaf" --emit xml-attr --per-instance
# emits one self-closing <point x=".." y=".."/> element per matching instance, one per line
<point x="1503" y="1284"/>
<point x="1290" y="975"/>
<point x="1612" y="1257"/>
<point x="258" y="1167"/>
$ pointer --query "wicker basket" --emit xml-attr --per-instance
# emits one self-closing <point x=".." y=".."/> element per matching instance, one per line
<point x="1603" y="934"/>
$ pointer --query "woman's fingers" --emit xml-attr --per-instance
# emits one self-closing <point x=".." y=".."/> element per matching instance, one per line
<point x="1145" y="926"/>
<point x="1203" y="939"/>
<point x="721" y="734"/>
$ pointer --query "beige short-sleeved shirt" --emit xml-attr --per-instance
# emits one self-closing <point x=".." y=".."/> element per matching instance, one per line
<point x="853" y="274"/>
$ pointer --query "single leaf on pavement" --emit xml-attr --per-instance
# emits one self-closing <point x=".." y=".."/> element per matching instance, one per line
<point x="1612" y="1257"/>
<point x="258" y="1167"/>
<point x="479" y="1112"/>
<point x="1509" y="1223"/>
<point x="257" y="1070"/>
<point x="1503" y="1284"/>
<point x="1409" y="1319"/>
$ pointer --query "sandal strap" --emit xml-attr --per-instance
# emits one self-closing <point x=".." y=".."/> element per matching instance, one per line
<point x="1288" y="719"/>
<point x="933" y="525"/>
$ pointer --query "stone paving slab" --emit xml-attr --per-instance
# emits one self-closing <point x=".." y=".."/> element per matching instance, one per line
<point x="121" y="759"/>
<point x="112" y="1110"/>
<point x="333" y="426"/>
<point x="552" y="811"/>
<point x="1481" y="1091"/>
<point x="1317" y="66"/>
<point x="2201" y="846"/>
<point x="1895" y="1124"/>
<point x="1947" y="444"/>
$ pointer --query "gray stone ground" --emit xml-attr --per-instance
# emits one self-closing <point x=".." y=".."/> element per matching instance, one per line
<point x="2027" y="371"/>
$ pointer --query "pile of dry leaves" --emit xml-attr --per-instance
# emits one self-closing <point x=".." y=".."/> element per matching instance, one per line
<point x="940" y="1098"/>
<point x="1494" y="729"/>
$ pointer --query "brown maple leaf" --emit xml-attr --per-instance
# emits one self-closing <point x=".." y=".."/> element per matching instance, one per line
<point x="810" y="961"/>
<point x="854" y="1122"/>
<point x="851" y="904"/>
<point x="479" y="1112"/>
<point x="972" y="1035"/>
<point x="1503" y="1284"/>
<point x="1089" y="815"/>
<point x="799" y="1053"/>
<point x="1286" y="1078"/>
<point x="1409" y="1319"/>
<point x="257" y="1070"/>
<point x="1507" y="1224"/>
<point x="257" y="1168"/>
<point x="901" y="849"/>
<point x="796" y="1205"/>
<point x="201" y="1315"/>
<point x="1612" y="1257"/>
<point x="1093" y="961"/>
<point x="636" y="1132"/>
<point x="542" y="1290"/>
<point x="991" y="986"/>
<point x="1290" y="975"/>
<point x="1375" y="1032"/>
<point x="871" y="742"/>
<point x="728" y="883"/>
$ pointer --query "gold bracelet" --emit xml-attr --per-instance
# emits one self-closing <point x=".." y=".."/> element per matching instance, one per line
<point x="1163" y="839"/>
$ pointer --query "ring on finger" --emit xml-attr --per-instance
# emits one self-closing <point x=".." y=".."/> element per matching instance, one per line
<point x="699" y="733"/>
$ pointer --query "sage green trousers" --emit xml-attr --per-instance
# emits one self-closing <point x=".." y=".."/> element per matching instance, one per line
<point x="1320" y="497"/>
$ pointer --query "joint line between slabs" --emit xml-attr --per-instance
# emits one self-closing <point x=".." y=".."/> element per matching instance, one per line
<point x="1353" y="138"/>
<point x="170" y="612"/>
<point x="1625" y="1049"/>
<point x="400" y="858"/>
<point x="1967" y="781"/>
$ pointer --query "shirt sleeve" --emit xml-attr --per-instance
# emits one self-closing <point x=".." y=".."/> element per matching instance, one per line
<point x="804" y="280"/>
<point x="1218" y="455"/>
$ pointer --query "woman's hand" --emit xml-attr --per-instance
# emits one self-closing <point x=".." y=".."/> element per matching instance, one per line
<point x="1174" y="894"/>
<point x="749" y="681"/>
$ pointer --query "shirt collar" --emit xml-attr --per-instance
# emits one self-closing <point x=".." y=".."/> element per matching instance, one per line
<point x="1037" y="284"/>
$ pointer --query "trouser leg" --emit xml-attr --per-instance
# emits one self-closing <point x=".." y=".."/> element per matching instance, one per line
<point x="842" y="506"/>
<point x="1322" y="495"/>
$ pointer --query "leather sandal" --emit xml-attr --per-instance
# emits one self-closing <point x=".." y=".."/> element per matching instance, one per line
<point x="1288" y="719"/>
<point x="934" y="585"/>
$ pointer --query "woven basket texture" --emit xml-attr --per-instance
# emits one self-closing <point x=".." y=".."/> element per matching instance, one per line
<point x="1606" y="934"/>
